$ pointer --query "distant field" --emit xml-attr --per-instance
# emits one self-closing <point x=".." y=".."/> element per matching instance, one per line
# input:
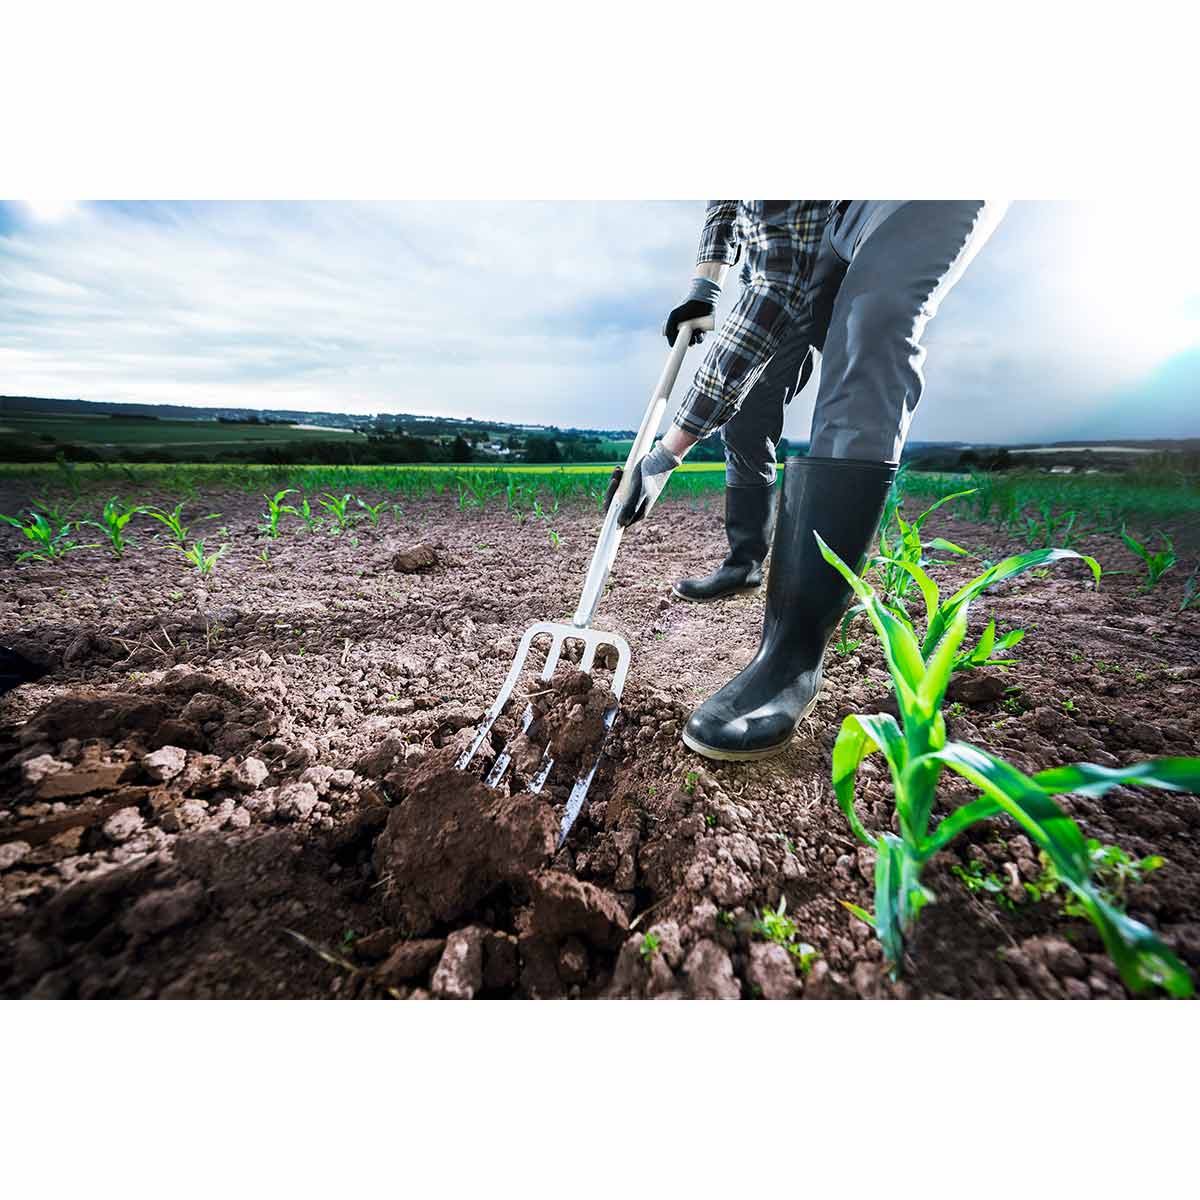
<point x="112" y="433"/>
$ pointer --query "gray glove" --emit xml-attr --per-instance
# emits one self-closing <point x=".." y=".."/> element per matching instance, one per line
<point x="649" y="478"/>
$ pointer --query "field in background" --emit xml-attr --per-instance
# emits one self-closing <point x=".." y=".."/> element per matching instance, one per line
<point x="113" y="433"/>
<point x="1035" y="506"/>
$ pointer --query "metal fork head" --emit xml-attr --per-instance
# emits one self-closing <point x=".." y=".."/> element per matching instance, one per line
<point x="560" y="633"/>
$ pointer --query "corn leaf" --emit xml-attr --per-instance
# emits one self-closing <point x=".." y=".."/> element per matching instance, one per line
<point x="1005" y="569"/>
<point x="889" y="899"/>
<point x="1088" y="779"/>
<point x="929" y="589"/>
<point x="1143" y="960"/>
<point x="859" y="736"/>
<point x="944" y="500"/>
<point x="932" y="688"/>
<point x="1025" y="801"/>
<point x="899" y="644"/>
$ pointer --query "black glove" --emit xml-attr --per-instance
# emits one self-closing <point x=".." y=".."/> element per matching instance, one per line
<point x="649" y="478"/>
<point x="701" y="301"/>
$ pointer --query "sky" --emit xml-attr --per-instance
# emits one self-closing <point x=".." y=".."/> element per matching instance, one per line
<point x="1078" y="319"/>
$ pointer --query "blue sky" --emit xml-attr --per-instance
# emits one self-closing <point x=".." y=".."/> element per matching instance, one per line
<point x="1068" y="324"/>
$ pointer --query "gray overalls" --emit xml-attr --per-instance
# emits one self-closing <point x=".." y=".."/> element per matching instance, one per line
<point x="883" y="268"/>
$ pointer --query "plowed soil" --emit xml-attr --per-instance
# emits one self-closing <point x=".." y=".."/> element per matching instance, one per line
<point x="244" y="785"/>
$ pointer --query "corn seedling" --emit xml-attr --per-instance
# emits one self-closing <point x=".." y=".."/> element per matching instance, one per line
<point x="975" y="881"/>
<point x="846" y="645"/>
<point x="50" y="540"/>
<point x="1158" y="562"/>
<point x="336" y="508"/>
<point x="204" y="563"/>
<point x="113" y="519"/>
<point x="984" y="654"/>
<point x="776" y="927"/>
<point x="917" y="752"/>
<point x="940" y="614"/>
<point x="649" y="947"/>
<point x="903" y="546"/>
<point x="555" y="540"/>
<point x="276" y="509"/>
<point x="173" y="520"/>
<point x="311" y="521"/>
<point x="69" y="474"/>
<point x="1049" y="528"/>
<point x="372" y="510"/>
<point x="1114" y="871"/>
<point x="1191" y="591"/>
<point x="264" y="556"/>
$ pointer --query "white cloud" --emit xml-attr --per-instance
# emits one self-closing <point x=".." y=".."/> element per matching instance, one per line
<point x="535" y="312"/>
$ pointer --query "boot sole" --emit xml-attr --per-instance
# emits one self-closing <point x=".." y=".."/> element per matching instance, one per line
<point x="719" y="755"/>
<point x="742" y="591"/>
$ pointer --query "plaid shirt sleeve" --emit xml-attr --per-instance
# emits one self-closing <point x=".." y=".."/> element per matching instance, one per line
<point x="718" y="239"/>
<point x="782" y="238"/>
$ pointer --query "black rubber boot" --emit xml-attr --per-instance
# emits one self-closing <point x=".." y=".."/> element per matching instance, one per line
<point x="755" y="714"/>
<point x="749" y="515"/>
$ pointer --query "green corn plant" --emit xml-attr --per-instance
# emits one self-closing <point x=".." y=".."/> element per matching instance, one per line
<point x="1158" y="562"/>
<point x="276" y="509"/>
<point x="774" y="925"/>
<point x="311" y="521"/>
<point x="555" y="539"/>
<point x="917" y="752"/>
<point x="1049" y="527"/>
<point x="372" y="510"/>
<point x="113" y="519"/>
<point x="1114" y="869"/>
<point x="988" y="651"/>
<point x="939" y="614"/>
<point x="1191" y="591"/>
<point x="173" y="520"/>
<point x="336" y="508"/>
<point x="69" y="474"/>
<point x="56" y="516"/>
<point x="204" y="563"/>
<point x="904" y="546"/>
<point x="50" y="540"/>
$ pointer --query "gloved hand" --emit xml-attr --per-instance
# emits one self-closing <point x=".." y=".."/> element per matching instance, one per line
<point x="701" y="301"/>
<point x="649" y="478"/>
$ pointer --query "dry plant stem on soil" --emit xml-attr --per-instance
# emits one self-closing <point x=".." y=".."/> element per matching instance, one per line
<point x="917" y="752"/>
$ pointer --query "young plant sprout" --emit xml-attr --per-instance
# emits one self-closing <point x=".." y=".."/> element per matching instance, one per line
<point x="372" y="510"/>
<point x="940" y="614"/>
<point x="50" y="539"/>
<point x="204" y="563"/>
<point x="1191" y="591"/>
<point x="276" y="509"/>
<point x="173" y="520"/>
<point x="917" y="752"/>
<point x="776" y="927"/>
<point x="336" y="508"/>
<point x="904" y="548"/>
<point x="1157" y="562"/>
<point x="311" y="521"/>
<point x="113" y="519"/>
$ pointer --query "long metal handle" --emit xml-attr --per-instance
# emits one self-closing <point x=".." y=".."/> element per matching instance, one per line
<point x="610" y="533"/>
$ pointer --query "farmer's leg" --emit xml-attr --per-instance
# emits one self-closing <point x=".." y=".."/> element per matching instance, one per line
<point x="752" y="435"/>
<point x="751" y="439"/>
<point x="904" y="257"/>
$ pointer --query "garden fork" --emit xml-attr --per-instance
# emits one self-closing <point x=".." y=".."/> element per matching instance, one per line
<point x="580" y="629"/>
